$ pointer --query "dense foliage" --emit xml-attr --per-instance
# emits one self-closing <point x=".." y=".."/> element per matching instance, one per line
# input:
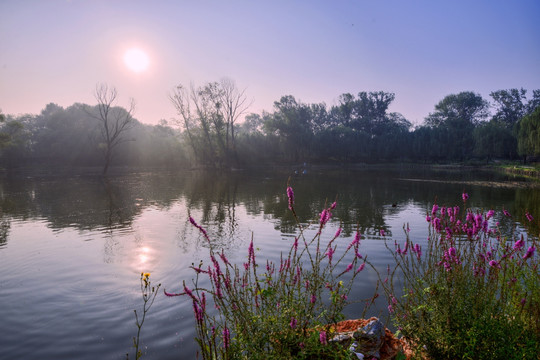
<point x="472" y="293"/>
<point x="469" y="293"/>
<point x="264" y="310"/>
<point x="462" y="127"/>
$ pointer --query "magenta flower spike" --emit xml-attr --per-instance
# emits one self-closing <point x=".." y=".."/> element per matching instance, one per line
<point x="529" y="253"/>
<point x="519" y="244"/>
<point x="325" y="216"/>
<point x="293" y="323"/>
<point x="189" y="293"/>
<point x="417" y="250"/>
<point x="465" y="196"/>
<point x="360" y="268"/>
<point x="251" y="254"/>
<point x="529" y="216"/>
<point x="322" y="337"/>
<point x="290" y="195"/>
<point x="223" y="257"/>
<point x="226" y="338"/>
<point x="201" y="229"/>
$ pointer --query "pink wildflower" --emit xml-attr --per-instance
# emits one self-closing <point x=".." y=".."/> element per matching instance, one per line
<point x="290" y="195"/>
<point x="356" y="240"/>
<point x="325" y="216"/>
<point x="465" y="196"/>
<point x="330" y="253"/>
<point x="226" y="338"/>
<point x="529" y="216"/>
<point x="201" y="229"/>
<point x="223" y="257"/>
<point x="529" y="253"/>
<point x="322" y="337"/>
<point x="293" y="323"/>
<point x="519" y="244"/>
<point x="418" y="250"/>
<point x="251" y="254"/>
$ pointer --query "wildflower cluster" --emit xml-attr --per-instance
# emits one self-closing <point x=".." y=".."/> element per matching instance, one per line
<point x="473" y="294"/>
<point x="262" y="309"/>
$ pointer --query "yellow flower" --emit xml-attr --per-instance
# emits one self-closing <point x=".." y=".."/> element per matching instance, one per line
<point x="146" y="275"/>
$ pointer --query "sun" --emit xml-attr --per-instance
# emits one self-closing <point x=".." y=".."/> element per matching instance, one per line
<point x="136" y="60"/>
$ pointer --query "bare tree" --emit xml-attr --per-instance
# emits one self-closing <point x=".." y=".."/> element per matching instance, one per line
<point x="234" y="103"/>
<point x="114" y="121"/>
<point x="210" y="126"/>
<point x="201" y="124"/>
<point x="180" y="99"/>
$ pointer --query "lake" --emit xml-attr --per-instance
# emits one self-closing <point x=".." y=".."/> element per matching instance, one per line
<point x="72" y="248"/>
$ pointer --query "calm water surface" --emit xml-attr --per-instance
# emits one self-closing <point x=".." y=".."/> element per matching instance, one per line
<point x="72" y="249"/>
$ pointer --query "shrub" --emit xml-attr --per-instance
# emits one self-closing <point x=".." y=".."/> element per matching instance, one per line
<point x="472" y="294"/>
<point x="273" y="310"/>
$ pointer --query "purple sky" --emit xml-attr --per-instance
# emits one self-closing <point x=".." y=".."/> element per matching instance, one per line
<point x="58" y="50"/>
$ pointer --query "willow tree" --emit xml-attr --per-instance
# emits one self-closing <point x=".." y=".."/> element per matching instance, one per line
<point x="529" y="134"/>
<point x="114" y="121"/>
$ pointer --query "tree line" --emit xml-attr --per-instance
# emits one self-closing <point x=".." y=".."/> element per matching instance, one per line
<point x="208" y="131"/>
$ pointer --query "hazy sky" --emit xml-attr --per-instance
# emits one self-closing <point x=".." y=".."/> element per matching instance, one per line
<point x="58" y="50"/>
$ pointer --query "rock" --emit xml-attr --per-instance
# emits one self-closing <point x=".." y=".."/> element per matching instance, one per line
<point x="370" y="339"/>
<point x="391" y="346"/>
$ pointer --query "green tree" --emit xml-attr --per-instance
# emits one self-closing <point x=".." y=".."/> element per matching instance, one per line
<point x="529" y="134"/>
<point x="291" y="122"/>
<point x="457" y="115"/>
<point x="366" y="113"/>
<point x="510" y="106"/>
<point x="4" y="138"/>
<point x="534" y="102"/>
<point x="67" y="136"/>
<point x="494" y="140"/>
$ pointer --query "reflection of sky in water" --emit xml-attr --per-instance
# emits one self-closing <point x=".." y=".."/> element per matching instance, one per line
<point x="71" y="286"/>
